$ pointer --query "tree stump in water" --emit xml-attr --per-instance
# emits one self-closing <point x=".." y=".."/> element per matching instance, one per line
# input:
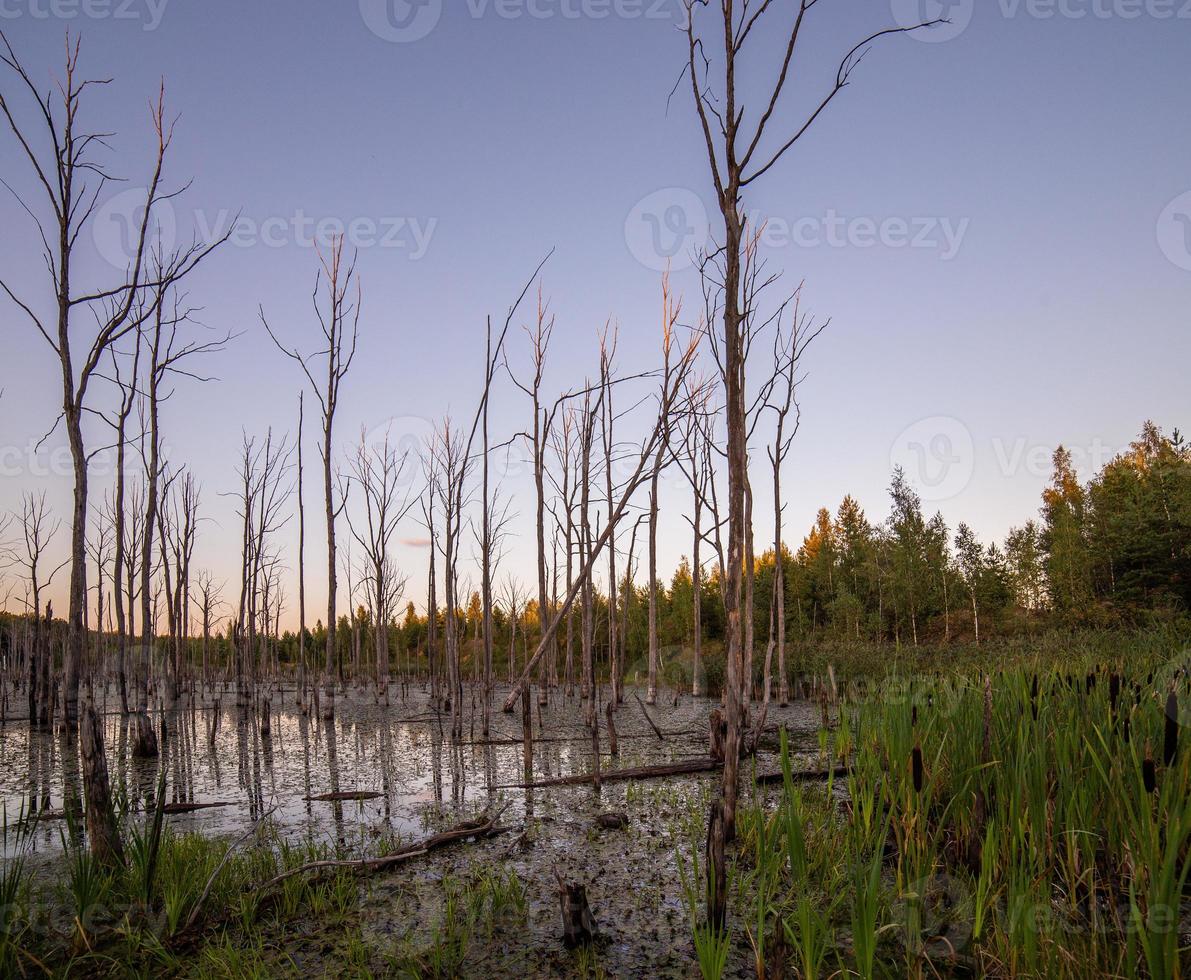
<point x="145" y="745"/>
<point x="578" y="925"/>
<point x="717" y="877"/>
<point x="102" y="830"/>
<point x="612" y="747"/>
<point x="615" y="820"/>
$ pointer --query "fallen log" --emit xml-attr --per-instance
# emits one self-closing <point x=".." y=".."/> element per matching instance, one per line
<point x="469" y="829"/>
<point x="170" y="808"/>
<point x="620" y="775"/>
<point x="657" y="731"/>
<point x="344" y="796"/>
<point x="803" y="775"/>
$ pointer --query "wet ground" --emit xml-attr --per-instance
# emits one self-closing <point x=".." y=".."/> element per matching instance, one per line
<point x="428" y="782"/>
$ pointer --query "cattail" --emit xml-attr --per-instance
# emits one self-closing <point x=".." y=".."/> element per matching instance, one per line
<point x="916" y="768"/>
<point x="1170" y="743"/>
<point x="1147" y="771"/>
<point x="1091" y="682"/>
<point x="986" y="723"/>
<point x="1034" y="697"/>
<point x="913" y="716"/>
<point x="1125" y="727"/>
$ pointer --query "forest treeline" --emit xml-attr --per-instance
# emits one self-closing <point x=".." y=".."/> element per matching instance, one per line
<point x="1114" y="552"/>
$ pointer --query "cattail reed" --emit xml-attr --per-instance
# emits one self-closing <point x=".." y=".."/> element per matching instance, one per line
<point x="1170" y="741"/>
<point x="1148" y="778"/>
<point x="986" y="744"/>
<point x="1034" y="697"/>
<point x="1114" y="691"/>
<point x="916" y="768"/>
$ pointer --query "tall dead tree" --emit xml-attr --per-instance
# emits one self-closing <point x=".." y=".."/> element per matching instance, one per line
<point x="538" y="437"/>
<point x="738" y="154"/>
<point x="127" y="386"/>
<point x="671" y="310"/>
<point x="607" y="423"/>
<point x="694" y="461"/>
<point x="451" y="469"/>
<point x="301" y="564"/>
<point x="787" y="352"/>
<point x="339" y="322"/>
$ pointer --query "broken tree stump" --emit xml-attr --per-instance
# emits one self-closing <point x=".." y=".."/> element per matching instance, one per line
<point x="717" y="877"/>
<point x="717" y="731"/>
<point x="578" y="924"/>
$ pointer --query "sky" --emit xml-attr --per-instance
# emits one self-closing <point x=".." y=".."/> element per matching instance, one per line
<point x="995" y="215"/>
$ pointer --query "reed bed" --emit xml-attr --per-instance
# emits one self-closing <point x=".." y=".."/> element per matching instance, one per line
<point x="1030" y="822"/>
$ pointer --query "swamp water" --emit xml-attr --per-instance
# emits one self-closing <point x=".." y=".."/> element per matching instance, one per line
<point x="428" y="782"/>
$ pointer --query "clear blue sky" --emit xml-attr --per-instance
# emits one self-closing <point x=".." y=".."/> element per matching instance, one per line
<point x="1039" y="162"/>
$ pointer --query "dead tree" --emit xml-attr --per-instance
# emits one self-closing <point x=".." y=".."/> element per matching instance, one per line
<point x="671" y="310"/>
<point x="787" y="352"/>
<point x="119" y="515"/>
<point x="301" y="565"/>
<point x="451" y="470"/>
<point x="340" y="317"/>
<point x="101" y="553"/>
<point x="607" y="421"/>
<point x="538" y="438"/>
<point x="695" y="463"/>
<point x="737" y="157"/>
<point x="37" y="530"/>
<point x="209" y="600"/>
<point x="378" y="471"/>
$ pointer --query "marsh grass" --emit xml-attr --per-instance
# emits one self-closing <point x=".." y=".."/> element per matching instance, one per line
<point x="1012" y="824"/>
